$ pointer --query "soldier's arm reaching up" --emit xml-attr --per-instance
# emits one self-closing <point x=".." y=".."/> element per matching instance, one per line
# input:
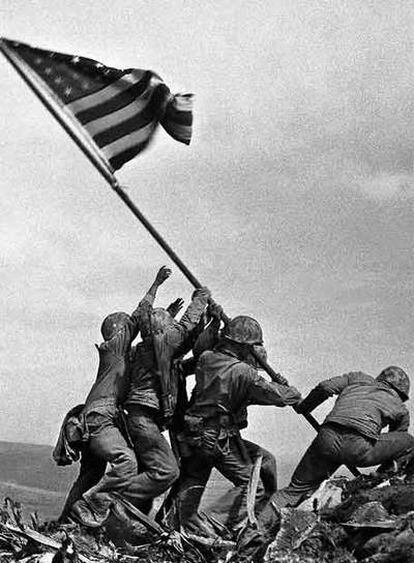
<point x="144" y="309"/>
<point x="162" y="275"/>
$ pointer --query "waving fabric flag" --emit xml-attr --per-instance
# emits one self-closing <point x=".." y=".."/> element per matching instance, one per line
<point x="116" y="110"/>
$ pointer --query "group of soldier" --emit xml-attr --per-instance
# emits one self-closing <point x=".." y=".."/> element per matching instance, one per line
<point x="140" y="391"/>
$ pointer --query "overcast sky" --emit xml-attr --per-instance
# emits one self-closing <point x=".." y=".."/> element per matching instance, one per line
<point x="294" y="202"/>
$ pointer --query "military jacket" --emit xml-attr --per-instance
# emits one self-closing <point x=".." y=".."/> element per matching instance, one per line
<point x="112" y="379"/>
<point x="365" y="404"/>
<point x="225" y="384"/>
<point x="144" y="387"/>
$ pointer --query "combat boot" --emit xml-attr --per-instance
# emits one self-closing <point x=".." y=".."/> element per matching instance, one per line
<point x="253" y="540"/>
<point x="92" y="509"/>
<point x="123" y="528"/>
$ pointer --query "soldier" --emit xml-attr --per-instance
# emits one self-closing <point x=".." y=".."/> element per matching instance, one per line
<point x="90" y="498"/>
<point x="151" y="397"/>
<point x="350" y="435"/>
<point x="226" y="383"/>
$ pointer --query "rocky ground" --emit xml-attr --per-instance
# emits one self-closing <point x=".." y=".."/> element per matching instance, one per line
<point x="369" y="519"/>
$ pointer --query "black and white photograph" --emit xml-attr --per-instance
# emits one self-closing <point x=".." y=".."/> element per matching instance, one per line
<point x="206" y="252"/>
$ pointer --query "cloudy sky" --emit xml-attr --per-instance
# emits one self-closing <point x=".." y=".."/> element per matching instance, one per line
<point x="294" y="203"/>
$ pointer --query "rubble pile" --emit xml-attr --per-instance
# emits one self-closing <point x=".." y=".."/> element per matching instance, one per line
<point x="369" y="519"/>
<point x="52" y="542"/>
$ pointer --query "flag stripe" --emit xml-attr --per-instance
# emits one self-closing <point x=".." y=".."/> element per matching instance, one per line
<point x="128" y="141"/>
<point x="180" y="133"/>
<point x="116" y="102"/>
<point x="182" y="117"/>
<point x="139" y="121"/>
<point x="124" y="128"/>
<point x="113" y="119"/>
<point x="121" y="158"/>
<point x="106" y="93"/>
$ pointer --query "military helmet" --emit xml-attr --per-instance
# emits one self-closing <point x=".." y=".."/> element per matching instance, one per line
<point x="113" y="323"/>
<point x="244" y="330"/>
<point x="397" y="379"/>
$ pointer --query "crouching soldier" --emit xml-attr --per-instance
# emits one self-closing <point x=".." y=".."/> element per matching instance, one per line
<point x="152" y="393"/>
<point x="90" y="499"/>
<point x="226" y="383"/>
<point x="350" y="435"/>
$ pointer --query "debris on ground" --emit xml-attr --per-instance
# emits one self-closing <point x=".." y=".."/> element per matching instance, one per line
<point x="369" y="519"/>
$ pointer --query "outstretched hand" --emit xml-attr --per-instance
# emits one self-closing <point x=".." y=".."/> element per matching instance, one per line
<point x="163" y="274"/>
<point x="175" y="307"/>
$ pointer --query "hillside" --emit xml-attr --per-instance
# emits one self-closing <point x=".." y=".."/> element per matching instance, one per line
<point x="29" y="475"/>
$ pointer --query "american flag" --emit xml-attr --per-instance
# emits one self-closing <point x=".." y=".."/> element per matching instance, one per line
<point x="118" y="110"/>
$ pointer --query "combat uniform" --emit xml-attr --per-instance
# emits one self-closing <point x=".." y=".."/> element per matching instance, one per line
<point x="101" y="415"/>
<point x="225" y="386"/>
<point x="351" y="433"/>
<point x="157" y="464"/>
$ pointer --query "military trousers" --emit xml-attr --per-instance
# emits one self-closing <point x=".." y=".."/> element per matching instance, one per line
<point x="107" y="448"/>
<point x="234" y="459"/>
<point x="92" y="469"/>
<point x="158" y="468"/>
<point x="336" y="445"/>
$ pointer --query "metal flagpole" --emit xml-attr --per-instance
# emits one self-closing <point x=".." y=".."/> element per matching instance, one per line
<point x="161" y="241"/>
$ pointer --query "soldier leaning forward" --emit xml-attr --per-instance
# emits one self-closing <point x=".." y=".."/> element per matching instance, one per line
<point x="90" y="498"/>
<point x="226" y="383"/>
<point x="350" y="435"/>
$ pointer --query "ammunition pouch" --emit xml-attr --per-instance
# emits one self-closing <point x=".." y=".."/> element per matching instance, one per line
<point x="210" y="434"/>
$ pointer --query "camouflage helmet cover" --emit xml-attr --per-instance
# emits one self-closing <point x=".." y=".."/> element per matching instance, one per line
<point x="113" y="323"/>
<point x="397" y="379"/>
<point x="244" y="330"/>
